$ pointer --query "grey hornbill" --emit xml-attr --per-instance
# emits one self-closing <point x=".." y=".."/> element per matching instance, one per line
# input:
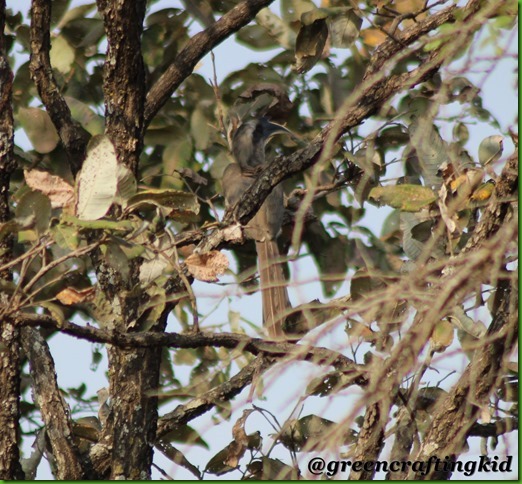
<point x="248" y="147"/>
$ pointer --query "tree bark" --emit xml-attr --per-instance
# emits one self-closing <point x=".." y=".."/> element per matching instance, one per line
<point x="9" y="334"/>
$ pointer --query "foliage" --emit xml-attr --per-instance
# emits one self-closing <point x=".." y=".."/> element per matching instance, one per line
<point x="105" y="212"/>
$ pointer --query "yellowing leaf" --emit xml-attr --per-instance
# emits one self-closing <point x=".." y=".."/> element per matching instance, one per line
<point x="483" y="192"/>
<point x="409" y="198"/>
<point x="373" y="37"/>
<point x="98" y="179"/>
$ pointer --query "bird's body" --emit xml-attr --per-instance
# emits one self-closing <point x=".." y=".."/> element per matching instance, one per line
<point x="248" y="146"/>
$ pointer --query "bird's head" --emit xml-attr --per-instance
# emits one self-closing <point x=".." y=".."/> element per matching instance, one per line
<point x="249" y="140"/>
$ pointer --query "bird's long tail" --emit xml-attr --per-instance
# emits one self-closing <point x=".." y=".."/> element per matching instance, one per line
<point x="273" y="288"/>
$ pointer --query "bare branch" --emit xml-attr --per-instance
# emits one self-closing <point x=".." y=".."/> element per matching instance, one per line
<point x="256" y="346"/>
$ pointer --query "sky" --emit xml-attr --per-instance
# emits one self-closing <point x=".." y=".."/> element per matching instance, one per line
<point x="71" y="355"/>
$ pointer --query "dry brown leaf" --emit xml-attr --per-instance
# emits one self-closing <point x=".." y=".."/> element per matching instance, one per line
<point x="57" y="189"/>
<point x="238" y="447"/>
<point x="70" y="296"/>
<point x="208" y="266"/>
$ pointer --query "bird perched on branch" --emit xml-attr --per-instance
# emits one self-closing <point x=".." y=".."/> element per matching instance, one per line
<point x="248" y="147"/>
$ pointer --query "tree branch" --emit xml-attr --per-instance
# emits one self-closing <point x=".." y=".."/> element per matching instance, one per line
<point x="222" y="393"/>
<point x="124" y="77"/>
<point x="256" y="346"/>
<point x="54" y="410"/>
<point x="499" y="204"/>
<point x="375" y="90"/>
<point x="10" y="467"/>
<point x="455" y="417"/>
<point x="200" y="45"/>
<point x="134" y="372"/>
<point x="73" y="136"/>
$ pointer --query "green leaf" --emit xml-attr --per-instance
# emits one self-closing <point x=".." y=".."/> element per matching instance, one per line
<point x="185" y="434"/>
<point x="344" y="26"/>
<point x="276" y="28"/>
<point x="34" y="212"/>
<point x="110" y="225"/>
<point x="409" y="198"/>
<point x="65" y="236"/>
<point x="84" y="32"/>
<point x="77" y="12"/>
<point x="292" y="10"/>
<point x="255" y="36"/>
<point x="81" y="112"/>
<point x="199" y="129"/>
<point x="98" y="179"/>
<point x="62" y="54"/>
<point x="490" y="149"/>
<point x="176" y="156"/>
<point x="430" y="148"/>
<point x="39" y="129"/>
<point x="183" y="206"/>
<point x="308" y="431"/>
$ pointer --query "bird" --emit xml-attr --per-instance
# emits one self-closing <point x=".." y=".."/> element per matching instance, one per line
<point x="248" y="148"/>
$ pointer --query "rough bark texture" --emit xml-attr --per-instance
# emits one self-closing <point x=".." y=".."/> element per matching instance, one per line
<point x="9" y="335"/>
<point x="371" y="438"/>
<point x="133" y="373"/>
<point x="124" y="77"/>
<point x="457" y="413"/>
<point x="72" y="135"/>
<point x="55" y="412"/>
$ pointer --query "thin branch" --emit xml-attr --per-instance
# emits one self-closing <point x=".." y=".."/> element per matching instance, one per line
<point x="46" y="268"/>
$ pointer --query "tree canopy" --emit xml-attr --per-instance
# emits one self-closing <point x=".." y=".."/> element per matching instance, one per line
<point x="401" y="210"/>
